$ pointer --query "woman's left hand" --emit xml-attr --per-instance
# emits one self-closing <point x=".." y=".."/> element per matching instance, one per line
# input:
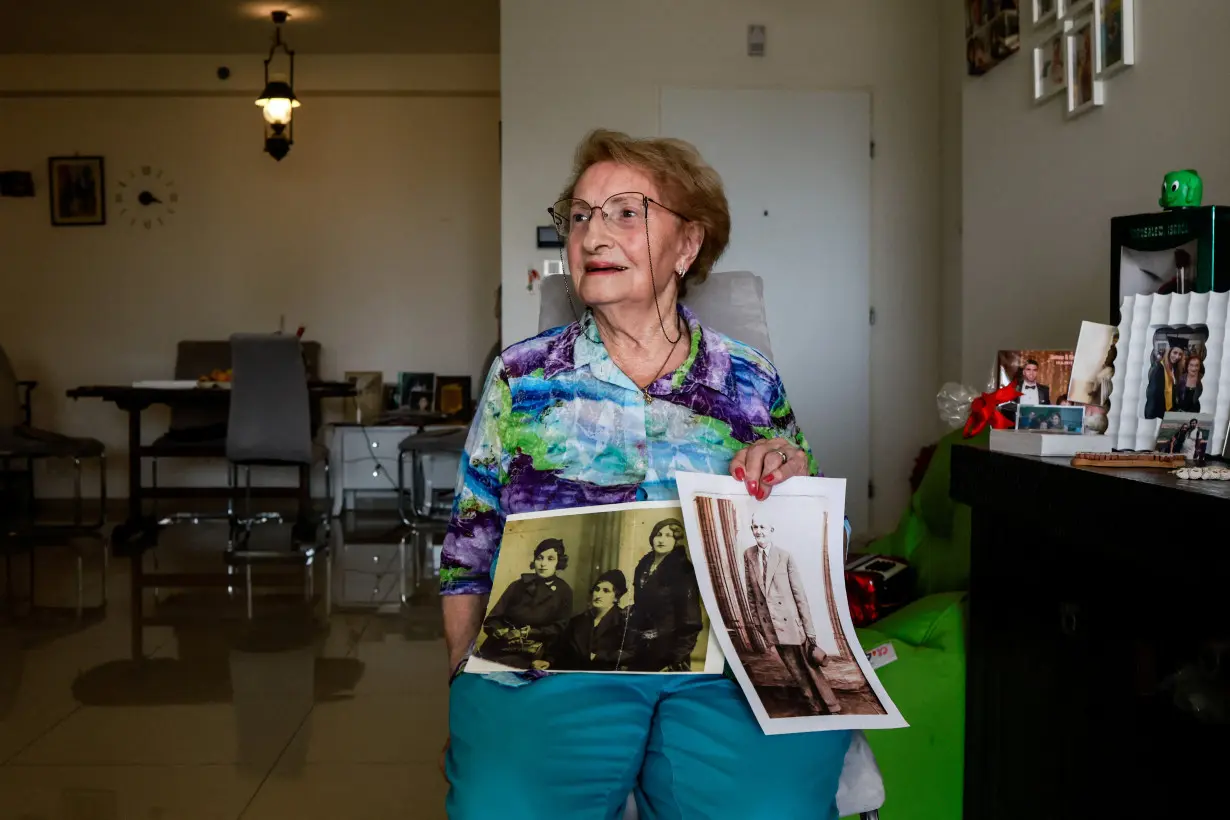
<point x="764" y="464"/>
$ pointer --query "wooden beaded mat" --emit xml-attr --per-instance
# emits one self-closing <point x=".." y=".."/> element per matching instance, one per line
<point x="1158" y="461"/>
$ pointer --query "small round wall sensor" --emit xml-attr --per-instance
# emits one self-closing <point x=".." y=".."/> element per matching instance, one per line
<point x="223" y="72"/>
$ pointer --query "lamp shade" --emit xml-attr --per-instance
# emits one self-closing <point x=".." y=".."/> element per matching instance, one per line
<point x="277" y="100"/>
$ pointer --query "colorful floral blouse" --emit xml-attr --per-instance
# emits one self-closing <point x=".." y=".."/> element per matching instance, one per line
<point x="560" y="425"/>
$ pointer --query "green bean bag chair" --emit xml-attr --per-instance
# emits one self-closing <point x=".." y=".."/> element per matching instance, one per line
<point x="923" y="766"/>
<point x="933" y="533"/>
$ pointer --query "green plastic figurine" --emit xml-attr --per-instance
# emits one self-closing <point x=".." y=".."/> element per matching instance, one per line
<point x="1181" y="189"/>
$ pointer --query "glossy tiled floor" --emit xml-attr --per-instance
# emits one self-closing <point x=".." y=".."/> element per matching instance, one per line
<point x="291" y="715"/>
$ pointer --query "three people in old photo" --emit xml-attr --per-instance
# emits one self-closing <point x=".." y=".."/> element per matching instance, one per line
<point x="630" y="602"/>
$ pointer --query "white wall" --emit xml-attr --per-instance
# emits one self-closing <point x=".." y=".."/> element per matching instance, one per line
<point x="951" y="73"/>
<point x="1039" y="192"/>
<point x="379" y="231"/>
<point x="570" y="67"/>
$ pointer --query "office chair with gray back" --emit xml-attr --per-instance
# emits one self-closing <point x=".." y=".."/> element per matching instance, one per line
<point x="194" y="431"/>
<point x="270" y="425"/>
<point x="22" y="443"/>
<point x="733" y="303"/>
<point x="423" y="507"/>
<point x="200" y="431"/>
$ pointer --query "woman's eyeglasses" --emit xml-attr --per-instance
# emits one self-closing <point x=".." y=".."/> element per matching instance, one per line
<point x="622" y="213"/>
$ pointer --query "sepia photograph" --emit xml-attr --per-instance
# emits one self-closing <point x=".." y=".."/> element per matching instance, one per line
<point x="1093" y="366"/>
<point x="771" y="575"/>
<point x="596" y="589"/>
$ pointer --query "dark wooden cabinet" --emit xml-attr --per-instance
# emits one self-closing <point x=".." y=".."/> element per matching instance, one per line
<point x="1089" y="589"/>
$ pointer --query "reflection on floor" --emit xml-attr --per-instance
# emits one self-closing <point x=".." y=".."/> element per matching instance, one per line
<point x="287" y="715"/>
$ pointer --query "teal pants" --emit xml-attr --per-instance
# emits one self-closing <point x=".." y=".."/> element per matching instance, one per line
<point x="573" y="746"/>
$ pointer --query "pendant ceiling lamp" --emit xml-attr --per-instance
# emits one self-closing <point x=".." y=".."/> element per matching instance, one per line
<point x="278" y="101"/>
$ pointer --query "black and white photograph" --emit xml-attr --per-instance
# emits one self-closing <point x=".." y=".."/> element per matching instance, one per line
<point x="1185" y="434"/>
<point x="596" y="589"/>
<point x="1093" y="366"/>
<point x="772" y="579"/>
<point x="1176" y="370"/>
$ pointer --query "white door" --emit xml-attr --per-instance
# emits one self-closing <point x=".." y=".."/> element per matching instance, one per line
<point x="797" y="170"/>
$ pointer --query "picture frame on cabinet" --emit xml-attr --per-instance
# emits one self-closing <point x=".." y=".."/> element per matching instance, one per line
<point x="1150" y="327"/>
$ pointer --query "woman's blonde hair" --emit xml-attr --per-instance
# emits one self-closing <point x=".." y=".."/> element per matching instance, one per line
<point x="689" y="184"/>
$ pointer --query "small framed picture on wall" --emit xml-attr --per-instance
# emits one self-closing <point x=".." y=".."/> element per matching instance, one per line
<point x="76" y="186"/>
<point x="1085" y="91"/>
<point x="1045" y="12"/>
<point x="1115" y="47"/>
<point x="1050" y="75"/>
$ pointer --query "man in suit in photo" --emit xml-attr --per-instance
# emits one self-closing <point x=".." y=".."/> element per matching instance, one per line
<point x="779" y="601"/>
<point x="1031" y="391"/>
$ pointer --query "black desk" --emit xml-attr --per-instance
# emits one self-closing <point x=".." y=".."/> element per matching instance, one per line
<point x="1087" y="588"/>
<point x="139" y="532"/>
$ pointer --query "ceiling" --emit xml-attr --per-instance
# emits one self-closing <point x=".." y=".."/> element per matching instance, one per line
<point x="239" y="26"/>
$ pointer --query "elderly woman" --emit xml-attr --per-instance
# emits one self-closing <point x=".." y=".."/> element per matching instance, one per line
<point x="665" y="618"/>
<point x="604" y="411"/>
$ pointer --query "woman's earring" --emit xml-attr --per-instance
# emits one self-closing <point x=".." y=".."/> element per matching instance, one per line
<point x="681" y="272"/>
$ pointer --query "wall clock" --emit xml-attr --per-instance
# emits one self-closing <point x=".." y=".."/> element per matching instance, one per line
<point x="147" y="196"/>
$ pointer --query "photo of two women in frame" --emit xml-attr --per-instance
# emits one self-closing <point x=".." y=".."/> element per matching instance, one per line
<point x="608" y="589"/>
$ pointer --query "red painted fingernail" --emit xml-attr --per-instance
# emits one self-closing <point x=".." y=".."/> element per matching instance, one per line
<point x="768" y="479"/>
<point x="762" y="495"/>
<point x="739" y="474"/>
<point x="752" y="488"/>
